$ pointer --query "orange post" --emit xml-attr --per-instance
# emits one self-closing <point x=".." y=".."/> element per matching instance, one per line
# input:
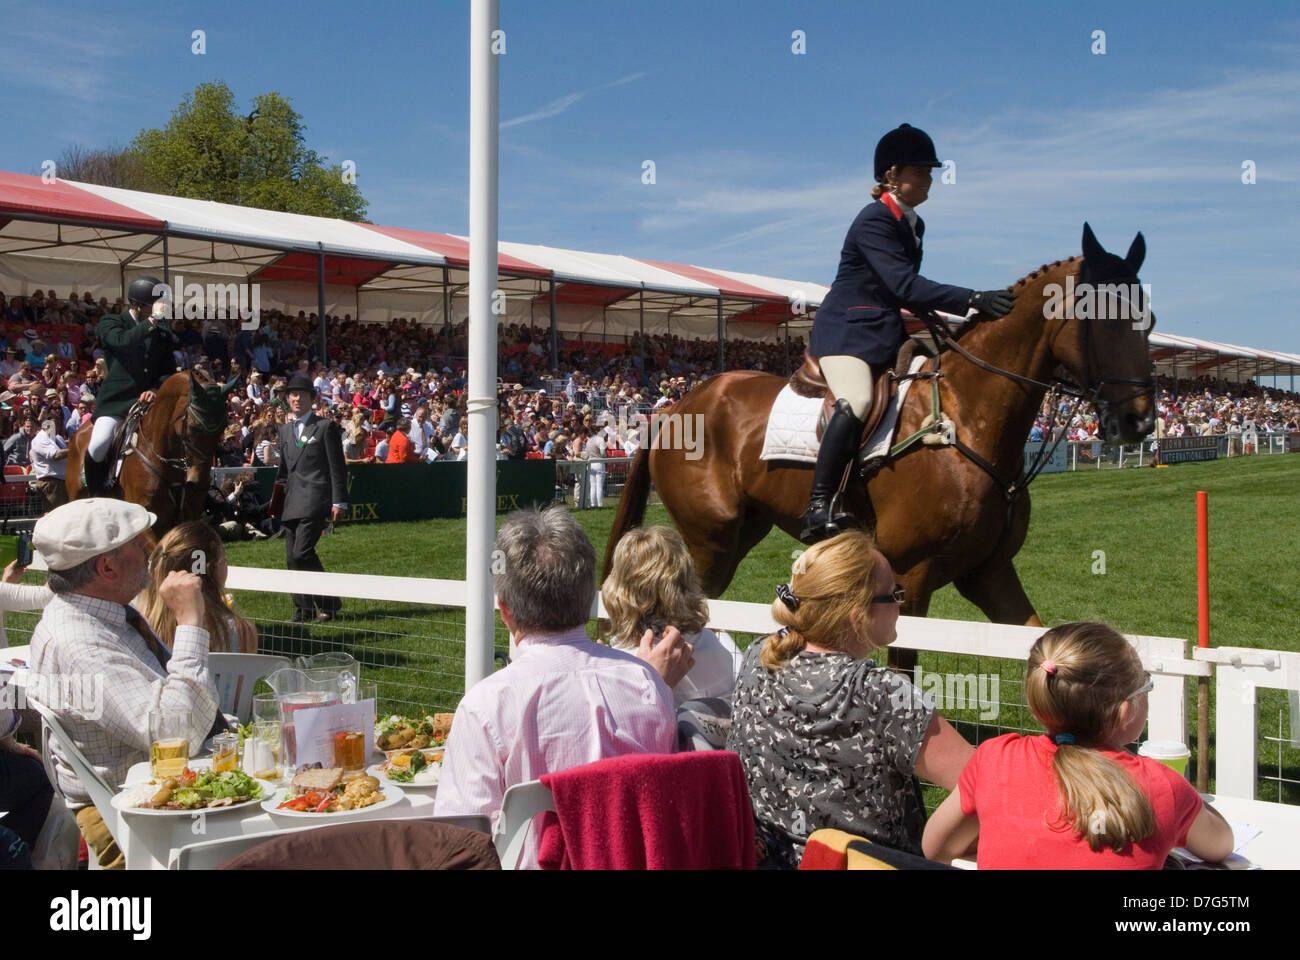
<point x="1203" y="568"/>
<point x="1203" y="639"/>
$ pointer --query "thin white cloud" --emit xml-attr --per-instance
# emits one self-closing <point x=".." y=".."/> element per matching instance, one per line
<point x="559" y="105"/>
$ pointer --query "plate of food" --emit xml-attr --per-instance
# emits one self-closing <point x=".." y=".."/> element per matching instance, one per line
<point x="319" y="793"/>
<point x="412" y="733"/>
<point x="410" y="768"/>
<point x="192" y="792"/>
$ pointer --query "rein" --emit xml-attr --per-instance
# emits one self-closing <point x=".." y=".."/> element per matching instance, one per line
<point x="152" y="458"/>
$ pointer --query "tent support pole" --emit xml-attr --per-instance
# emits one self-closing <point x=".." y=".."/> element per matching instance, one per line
<point x="167" y="274"/>
<point x="320" y="298"/>
<point x="555" y="339"/>
<point x="722" y="344"/>
<point x="446" y="314"/>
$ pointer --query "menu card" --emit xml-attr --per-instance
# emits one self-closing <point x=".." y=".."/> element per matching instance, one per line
<point x="314" y="729"/>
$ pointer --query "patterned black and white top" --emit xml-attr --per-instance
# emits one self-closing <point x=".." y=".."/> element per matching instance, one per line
<point x="829" y="741"/>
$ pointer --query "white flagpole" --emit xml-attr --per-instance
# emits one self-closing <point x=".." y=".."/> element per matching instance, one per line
<point x="481" y="493"/>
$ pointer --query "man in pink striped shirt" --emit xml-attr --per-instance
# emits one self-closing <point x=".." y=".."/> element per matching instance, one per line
<point x="564" y="700"/>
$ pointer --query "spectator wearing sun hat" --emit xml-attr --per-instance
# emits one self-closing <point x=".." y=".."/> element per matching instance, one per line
<point x="97" y="552"/>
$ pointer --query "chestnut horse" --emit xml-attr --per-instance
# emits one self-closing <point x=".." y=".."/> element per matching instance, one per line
<point x="940" y="517"/>
<point x="171" y="468"/>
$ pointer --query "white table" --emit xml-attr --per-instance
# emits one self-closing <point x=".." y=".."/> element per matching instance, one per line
<point x="16" y="675"/>
<point x="1278" y="846"/>
<point x="150" y="841"/>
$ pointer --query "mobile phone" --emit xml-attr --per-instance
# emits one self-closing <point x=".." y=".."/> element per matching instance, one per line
<point x="12" y="548"/>
<point x="657" y="625"/>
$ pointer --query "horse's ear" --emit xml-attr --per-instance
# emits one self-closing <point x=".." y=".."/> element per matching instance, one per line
<point x="1092" y="250"/>
<point x="194" y="383"/>
<point x="1136" y="254"/>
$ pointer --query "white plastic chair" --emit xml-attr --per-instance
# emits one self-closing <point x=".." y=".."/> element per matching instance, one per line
<point x="210" y="854"/>
<point x="520" y="804"/>
<point x="236" y="674"/>
<point x="101" y="795"/>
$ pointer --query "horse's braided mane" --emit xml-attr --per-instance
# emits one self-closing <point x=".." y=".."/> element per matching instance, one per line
<point x="1016" y="287"/>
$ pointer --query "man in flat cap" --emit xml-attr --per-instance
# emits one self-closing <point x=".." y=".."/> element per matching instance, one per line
<point x="91" y="638"/>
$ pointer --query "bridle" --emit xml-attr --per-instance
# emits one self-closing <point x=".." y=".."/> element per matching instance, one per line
<point x="197" y="422"/>
<point x="1090" y="390"/>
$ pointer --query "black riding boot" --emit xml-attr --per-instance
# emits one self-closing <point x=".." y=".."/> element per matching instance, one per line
<point x="839" y="443"/>
<point x="94" y="476"/>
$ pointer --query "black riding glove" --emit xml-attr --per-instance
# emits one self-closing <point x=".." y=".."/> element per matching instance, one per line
<point x="995" y="303"/>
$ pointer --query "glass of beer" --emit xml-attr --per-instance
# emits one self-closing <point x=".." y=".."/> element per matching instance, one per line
<point x="169" y="743"/>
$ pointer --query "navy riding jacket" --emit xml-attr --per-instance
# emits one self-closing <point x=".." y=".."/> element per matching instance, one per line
<point x="877" y="277"/>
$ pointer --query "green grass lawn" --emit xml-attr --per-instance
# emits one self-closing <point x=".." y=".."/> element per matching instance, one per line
<point x="1143" y="520"/>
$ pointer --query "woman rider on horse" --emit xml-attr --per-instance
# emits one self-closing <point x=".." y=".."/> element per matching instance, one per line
<point x="138" y="345"/>
<point x="859" y="327"/>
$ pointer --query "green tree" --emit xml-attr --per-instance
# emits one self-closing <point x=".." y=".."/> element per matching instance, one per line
<point x="208" y="151"/>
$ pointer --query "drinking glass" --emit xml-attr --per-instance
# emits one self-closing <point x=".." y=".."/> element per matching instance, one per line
<point x="368" y="690"/>
<point x="265" y="746"/>
<point x="169" y="744"/>
<point x="225" y="752"/>
<point x="266" y="707"/>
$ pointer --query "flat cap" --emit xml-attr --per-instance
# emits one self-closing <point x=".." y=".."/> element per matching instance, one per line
<point x="77" y="531"/>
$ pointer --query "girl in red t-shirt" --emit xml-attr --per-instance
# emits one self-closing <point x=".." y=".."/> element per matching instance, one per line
<point x="1075" y="798"/>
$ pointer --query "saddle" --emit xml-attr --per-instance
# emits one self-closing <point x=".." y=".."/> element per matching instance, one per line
<point x="124" y="439"/>
<point x="807" y="381"/>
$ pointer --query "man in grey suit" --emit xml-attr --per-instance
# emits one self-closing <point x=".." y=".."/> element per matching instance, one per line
<point x="315" y="481"/>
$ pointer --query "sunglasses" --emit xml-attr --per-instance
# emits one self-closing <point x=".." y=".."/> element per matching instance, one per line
<point x="1145" y="688"/>
<point x="897" y="595"/>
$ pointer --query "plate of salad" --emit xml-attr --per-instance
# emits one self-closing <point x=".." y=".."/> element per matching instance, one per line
<point x="412" y="768"/>
<point x="412" y="733"/>
<point x="192" y="792"/>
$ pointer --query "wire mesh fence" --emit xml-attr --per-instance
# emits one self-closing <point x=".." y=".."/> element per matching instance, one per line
<point x="415" y="652"/>
<point x="1278" y="752"/>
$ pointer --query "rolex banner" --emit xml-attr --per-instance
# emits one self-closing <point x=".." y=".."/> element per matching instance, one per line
<point x="422" y="491"/>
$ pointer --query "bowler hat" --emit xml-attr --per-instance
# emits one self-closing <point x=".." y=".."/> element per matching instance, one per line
<point x="300" y="381"/>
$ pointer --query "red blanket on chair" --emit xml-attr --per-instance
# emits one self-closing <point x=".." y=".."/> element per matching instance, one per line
<point x="650" y="812"/>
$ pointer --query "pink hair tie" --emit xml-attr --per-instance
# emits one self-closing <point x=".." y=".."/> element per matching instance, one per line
<point x="1049" y="666"/>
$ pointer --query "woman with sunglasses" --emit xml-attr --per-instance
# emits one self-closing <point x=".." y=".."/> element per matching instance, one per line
<point x="1076" y="798"/>
<point x="827" y="738"/>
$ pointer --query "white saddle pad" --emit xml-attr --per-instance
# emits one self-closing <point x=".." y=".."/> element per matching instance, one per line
<point x="792" y="424"/>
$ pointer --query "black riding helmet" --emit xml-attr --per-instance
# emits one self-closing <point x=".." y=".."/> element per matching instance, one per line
<point x="905" y="146"/>
<point x="141" y="291"/>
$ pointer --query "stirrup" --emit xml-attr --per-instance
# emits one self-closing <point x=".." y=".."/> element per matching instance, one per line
<point x="822" y="524"/>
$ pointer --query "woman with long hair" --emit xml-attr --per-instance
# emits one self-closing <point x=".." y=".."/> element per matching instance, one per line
<point x="826" y="737"/>
<point x="651" y="584"/>
<point x="195" y="547"/>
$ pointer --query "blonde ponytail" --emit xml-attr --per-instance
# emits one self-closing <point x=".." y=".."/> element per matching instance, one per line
<point x="828" y="583"/>
<point x="1077" y="677"/>
<point x="886" y="184"/>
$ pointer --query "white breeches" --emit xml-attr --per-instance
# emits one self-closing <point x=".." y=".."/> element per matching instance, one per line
<point x="101" y="436"/>
<point x="849" y="379"/>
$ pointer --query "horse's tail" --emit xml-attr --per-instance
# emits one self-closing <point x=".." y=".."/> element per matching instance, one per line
<point x="631" y="505"/>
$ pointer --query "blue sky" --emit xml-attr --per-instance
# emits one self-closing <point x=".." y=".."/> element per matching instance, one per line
<point x="762" y="157"/>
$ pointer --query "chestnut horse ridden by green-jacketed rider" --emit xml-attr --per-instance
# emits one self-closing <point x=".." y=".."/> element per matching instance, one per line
<point x="169" y="470"/>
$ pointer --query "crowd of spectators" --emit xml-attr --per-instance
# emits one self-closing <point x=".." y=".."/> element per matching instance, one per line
<point x="398" y="389"/>
<point x="1200" y="407"/>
